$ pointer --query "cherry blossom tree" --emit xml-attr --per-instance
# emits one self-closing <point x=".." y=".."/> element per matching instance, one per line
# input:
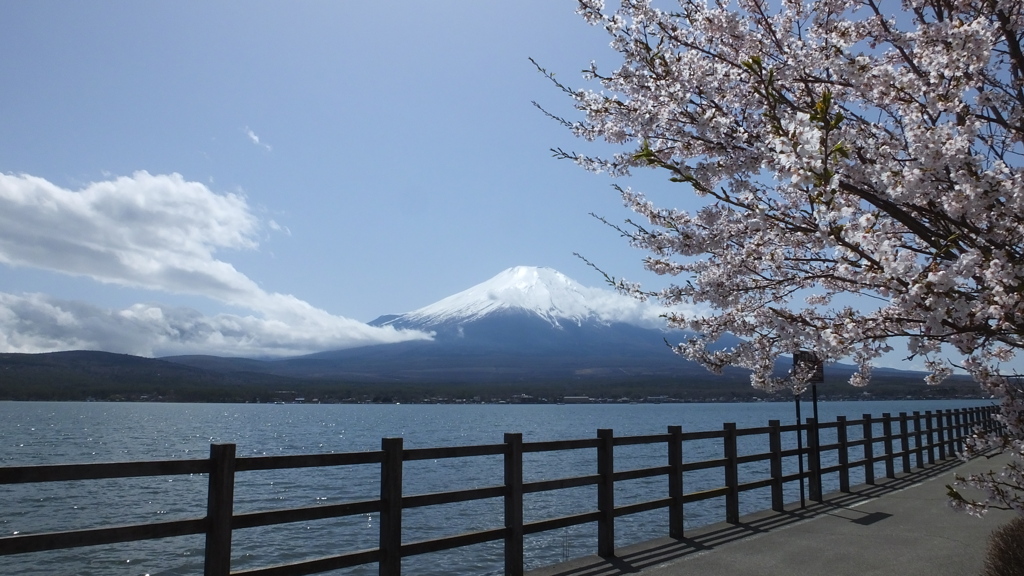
<point x="858" y="169"/>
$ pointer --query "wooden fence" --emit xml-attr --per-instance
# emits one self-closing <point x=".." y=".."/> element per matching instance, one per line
<point x="909" y="440"/>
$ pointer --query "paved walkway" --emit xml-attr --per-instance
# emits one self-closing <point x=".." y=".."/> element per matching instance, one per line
<point x="897" y="527"/>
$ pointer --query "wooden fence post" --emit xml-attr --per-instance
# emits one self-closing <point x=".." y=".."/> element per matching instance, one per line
<point x="775" y="447"/>
<point x="869" y="451"/>
<point x="814" y="460"/>
<point x="905" y="442"/>
<point x="844" y="454"/>
<point x="929" y="421"/>
<point x="391" y="508"/>
<point x="940" y="436"/>
<point x="890" y="467"/>
<point x="919" y="449"/>
<point x="513" y="504"/>
<point x="219" y="509"/>
<point x="732" y="497"/>
<point x="951" y="436"/>
<point x="606" y="494"/>
<point x="965" y="427"/>
<point x="959" y="424"/>
<point x="675" y="481"/>
<point x="959" y="419"/>
<point x="962" y="426"/>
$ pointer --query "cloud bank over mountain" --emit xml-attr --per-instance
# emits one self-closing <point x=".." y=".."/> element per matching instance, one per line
<point x="158" y="233"/>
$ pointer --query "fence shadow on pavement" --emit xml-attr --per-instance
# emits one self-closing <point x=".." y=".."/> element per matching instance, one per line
<point x="636" y="558"/>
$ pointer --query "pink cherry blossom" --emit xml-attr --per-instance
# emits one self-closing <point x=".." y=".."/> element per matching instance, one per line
<point x="833" y="147"/>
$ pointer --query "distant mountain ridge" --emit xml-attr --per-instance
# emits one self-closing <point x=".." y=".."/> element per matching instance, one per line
<point x="524" y="325"/>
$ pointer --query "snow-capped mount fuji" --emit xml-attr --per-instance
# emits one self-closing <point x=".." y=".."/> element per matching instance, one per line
<point x="540" y="293"/>
<point x="524" y="324"/>
<point x="547" y="293"/>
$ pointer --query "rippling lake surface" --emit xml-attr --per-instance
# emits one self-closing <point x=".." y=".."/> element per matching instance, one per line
<point x="34" y="433"/>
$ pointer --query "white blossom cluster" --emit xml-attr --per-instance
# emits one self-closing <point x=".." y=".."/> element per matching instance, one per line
<point x="863" y="147"/>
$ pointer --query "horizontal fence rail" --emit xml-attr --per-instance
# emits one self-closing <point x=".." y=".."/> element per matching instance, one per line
<point x="906" y="442"/>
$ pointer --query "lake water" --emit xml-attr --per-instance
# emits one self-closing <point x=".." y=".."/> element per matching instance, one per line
<point x="48" y="433"/>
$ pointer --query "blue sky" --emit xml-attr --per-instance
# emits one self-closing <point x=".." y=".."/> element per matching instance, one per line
<point x="199" y="170"/>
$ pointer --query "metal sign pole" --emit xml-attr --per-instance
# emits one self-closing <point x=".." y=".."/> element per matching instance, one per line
<point x="803" y="360"/>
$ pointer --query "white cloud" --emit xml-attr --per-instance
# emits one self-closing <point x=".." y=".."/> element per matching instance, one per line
<point x="157" y="232"/>
<point x="256" y="139"/>
<point x="278" y="228"/>
<point x="612" y="306"/>
<point x="35" y="323"/>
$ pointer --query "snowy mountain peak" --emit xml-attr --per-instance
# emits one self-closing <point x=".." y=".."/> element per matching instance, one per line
<point x="542" y="291"/>
<point x="545" y="292"/>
